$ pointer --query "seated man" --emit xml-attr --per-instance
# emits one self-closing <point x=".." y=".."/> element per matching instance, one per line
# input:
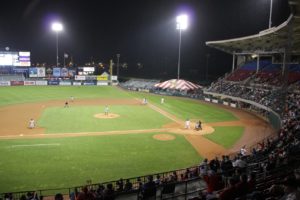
<point x="149" y="189"/>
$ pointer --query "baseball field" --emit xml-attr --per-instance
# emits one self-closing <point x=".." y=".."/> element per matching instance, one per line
<point x="73" y="144"/>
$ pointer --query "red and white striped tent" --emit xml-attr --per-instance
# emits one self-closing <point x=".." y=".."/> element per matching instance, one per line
<point x="178" y="84"/>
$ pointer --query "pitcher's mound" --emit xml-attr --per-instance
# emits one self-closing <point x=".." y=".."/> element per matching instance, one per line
<point x="109" y="116"/>
<point x="164" y="137"/>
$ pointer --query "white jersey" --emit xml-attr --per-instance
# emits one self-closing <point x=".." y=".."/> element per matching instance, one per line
<point x="187" y="124"/>
<point x="31" y="124"/>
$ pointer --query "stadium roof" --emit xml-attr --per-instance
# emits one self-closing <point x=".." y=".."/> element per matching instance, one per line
<point x="273" y="40"/>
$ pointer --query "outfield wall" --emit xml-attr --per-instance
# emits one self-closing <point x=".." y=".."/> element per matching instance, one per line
<point x="273" y="118"/>
<point x="54" y="82"/>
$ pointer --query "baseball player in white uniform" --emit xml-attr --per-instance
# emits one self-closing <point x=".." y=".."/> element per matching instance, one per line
<point x="187" y="124"/>
<point x="106" y="109"/>
<point x="31" y="123"/>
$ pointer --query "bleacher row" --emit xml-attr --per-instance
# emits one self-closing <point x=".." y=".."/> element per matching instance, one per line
<point x="268" y="73"/>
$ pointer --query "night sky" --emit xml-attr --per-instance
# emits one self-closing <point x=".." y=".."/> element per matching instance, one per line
<point x="142" y="31"/>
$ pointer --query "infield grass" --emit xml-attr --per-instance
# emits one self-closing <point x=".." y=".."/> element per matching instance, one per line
<point x="76" y="119"/>
<point x="226" y="135"/>
<point x="66" y="162"/>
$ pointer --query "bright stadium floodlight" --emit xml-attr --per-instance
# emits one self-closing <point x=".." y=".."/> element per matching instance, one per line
<point x="182" y="24"/>
<point x="57" y="27"/>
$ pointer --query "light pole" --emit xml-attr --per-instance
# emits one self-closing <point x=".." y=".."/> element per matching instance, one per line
<point x="118" y="59"/>
<point x="181" y="25"/>
<point x="57" y="27"/>
<point x="270" y="17"/>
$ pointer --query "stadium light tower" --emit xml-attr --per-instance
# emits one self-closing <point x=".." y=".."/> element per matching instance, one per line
<point x="57" y="27"/>
<point x="182" y="23"/>
<point x="271" y="10"/>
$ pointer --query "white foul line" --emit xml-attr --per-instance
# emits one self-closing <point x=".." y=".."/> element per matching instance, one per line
<point x="34" y="145"/>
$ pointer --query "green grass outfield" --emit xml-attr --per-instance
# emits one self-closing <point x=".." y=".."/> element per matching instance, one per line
<point x="226" y="135"/>
<point x="21" y="94"/>
<point x="184" y="108"/>
<point x="65" y="162"/>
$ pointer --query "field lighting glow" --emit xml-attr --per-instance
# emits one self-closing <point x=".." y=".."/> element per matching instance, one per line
<point x="57" y="26"/>
<point x="182" y="22"/>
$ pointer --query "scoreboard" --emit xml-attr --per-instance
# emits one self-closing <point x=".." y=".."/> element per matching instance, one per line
<point x="16" y="59"/>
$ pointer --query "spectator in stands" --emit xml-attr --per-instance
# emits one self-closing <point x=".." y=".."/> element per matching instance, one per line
<point x="203" y="167"/>
<point x="213" y="181"/>
<point x="109" y="192"/>
<point x="215" y="164"/>
<point x="229" y="193"/>
<point x="157" y="179"/>
<point x="243" y="151"/>
<point x="128" y="185"/>
<point x="100" y="191"/>
<point x="174" y="176"/>
<point x="85" y="194"/>
<point x="290" y="189"/>
<point x="241" y="164"/>
<point x="59" y="196"/>
<point x="140" y="184"/>
<point x="242" y="187"/>
<point x="120" y="185"/>
<point x="251" y="182"/>
<point x="149" y="189"/>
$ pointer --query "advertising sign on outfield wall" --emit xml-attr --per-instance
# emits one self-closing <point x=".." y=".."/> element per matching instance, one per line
<point x="76" y="83"/>
<point x="20" y="70"/>
<point x="33" y="72"/>
<point x="64" y="72"/>
<point x="102" y="78"/>
<point x="90" y="78"/>
<point x="16" y="83"/>
<point x="79" y="78"/>
<point x="207" y="99"/>
<point x="225" y="103"/>
<point x="41" y="72"/>
<point x="41" y="82"/>
<point x="101" y="83"/>
<point x="29" y="82"/>
<point x="215" y="101"/>
<point x="56" y="72"/>
<point x="233" y="105"/>
<point x="65" y="83"/>
<point x="53" y="82"/>
<point x="89" y="83"/>
<point x="114" y="78"/>
<point x="4" y="83"/>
